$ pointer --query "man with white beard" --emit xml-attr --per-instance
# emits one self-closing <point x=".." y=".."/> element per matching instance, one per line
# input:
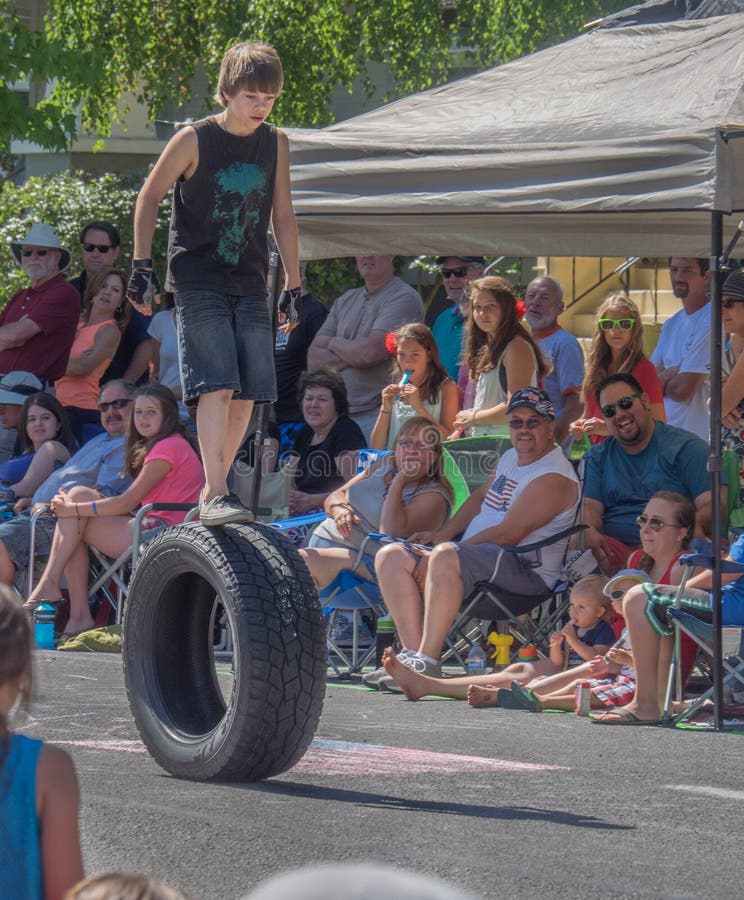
<point x="544" y="303"/>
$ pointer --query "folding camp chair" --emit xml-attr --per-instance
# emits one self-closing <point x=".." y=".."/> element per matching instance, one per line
<point x="476" y="458"/>
<point x="701" y="632"/>
<point x="349" y="595"/>
<point x="455" y="475"/>
<point x="530" y="619"/>
<point x="109" y="578"/>
<point x="489" y="602"/>
<point x="734" y="507"/>
<point x="274" y="492"/>
<point x="299" y="528"/>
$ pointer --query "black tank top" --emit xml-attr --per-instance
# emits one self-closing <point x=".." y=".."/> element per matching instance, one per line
<point x="218" y="231"/>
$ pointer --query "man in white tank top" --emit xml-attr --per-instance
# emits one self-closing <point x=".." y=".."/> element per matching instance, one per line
<point x="533" y="494"/>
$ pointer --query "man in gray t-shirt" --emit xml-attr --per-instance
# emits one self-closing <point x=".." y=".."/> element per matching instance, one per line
<point x="352" y="338"/>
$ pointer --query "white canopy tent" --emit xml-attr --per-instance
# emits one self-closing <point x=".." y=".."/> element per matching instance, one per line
<point x="614" y="143"/>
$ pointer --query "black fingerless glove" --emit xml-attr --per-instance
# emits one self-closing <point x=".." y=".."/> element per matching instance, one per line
<point x="289" y="305"/>
<point x="143" y="286"/>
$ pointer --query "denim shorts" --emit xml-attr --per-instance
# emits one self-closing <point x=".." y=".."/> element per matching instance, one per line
<point x="225" y="342"/>
<point x="16" y="535"/>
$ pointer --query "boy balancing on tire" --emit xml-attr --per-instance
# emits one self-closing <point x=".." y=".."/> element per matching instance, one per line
<point x="231" y="174"/>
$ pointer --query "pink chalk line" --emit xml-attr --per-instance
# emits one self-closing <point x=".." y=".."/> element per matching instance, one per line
<point x="325" y="757"/>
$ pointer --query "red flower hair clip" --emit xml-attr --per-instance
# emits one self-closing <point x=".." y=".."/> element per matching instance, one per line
<point x="390" y="345"/>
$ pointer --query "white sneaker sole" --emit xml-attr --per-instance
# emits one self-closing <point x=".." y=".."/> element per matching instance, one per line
<point x="232" y="516"/>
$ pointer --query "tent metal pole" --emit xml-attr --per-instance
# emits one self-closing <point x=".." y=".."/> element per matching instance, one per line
<point x="272" y="295"/>
<point x="714" y="460"/>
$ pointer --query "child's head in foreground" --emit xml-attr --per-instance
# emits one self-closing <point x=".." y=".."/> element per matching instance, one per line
<point x="122" y="886"/>
<point x="16" y="641"/>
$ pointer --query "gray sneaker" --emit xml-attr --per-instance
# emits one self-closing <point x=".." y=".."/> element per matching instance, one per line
<point x="224" y="509"/>
<point x="372" y="679"/>
<point x="417" y="664"/>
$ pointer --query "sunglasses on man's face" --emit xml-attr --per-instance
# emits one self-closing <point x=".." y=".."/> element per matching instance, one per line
<point x="729" y="302"/>
<point x="39" y="251"/>
<point x="102" y="248"/>
<point x="530" y="424"/>
<point x="622" y="324"/>
<point x="624" y="403"/>
<point x="459" y="272"/>
<point x="117" y="404"/>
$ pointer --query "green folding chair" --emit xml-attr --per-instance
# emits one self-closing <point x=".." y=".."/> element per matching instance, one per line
<point x="476" y="457"/>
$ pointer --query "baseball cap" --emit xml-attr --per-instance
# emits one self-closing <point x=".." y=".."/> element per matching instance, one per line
<point x="471" y="259"/>
<point x="15" y="387"/>
<point x="612" y="589"/>
<point x="533" y="398"/>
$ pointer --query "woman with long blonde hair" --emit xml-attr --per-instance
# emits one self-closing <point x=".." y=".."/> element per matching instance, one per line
<point x="617" y="348"/>
<point x="399" y="495"/>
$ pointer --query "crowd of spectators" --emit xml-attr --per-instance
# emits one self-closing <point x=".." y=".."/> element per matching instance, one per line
<point x="374" y="370"/>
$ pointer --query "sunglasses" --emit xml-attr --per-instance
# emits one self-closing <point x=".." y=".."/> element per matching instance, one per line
<point x="622" y="324"/>
<point x="35" y="252"/>
<point x="624" y="403"/>
<point x="530" y="424"/>
<point x="117" y="404"/>
<point x="102" y="248"/>
<point x="654" y="523"/>
<point x="459" y="272"/>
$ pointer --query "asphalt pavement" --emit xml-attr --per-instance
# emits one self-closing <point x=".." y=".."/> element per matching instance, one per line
<point x="501" y="803"/>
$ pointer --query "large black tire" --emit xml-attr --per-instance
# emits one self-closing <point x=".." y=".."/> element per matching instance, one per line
<point x="268" y="719"/>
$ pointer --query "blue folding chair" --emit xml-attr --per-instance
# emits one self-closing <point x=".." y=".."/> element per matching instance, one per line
<point x="349" y="595"/>
<point x="701" y="632"/>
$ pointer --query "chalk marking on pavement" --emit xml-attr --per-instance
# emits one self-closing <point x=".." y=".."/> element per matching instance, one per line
<point x="346" y="757"/>
<point x="711" y="791"/>
<point x="329" y="757"/>
<point x="121" y="746"/>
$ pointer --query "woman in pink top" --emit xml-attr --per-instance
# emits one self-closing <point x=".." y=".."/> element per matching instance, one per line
<point x="104" y="318"/>
<point x="617" y="346"/>
<point x="165" y="467"/>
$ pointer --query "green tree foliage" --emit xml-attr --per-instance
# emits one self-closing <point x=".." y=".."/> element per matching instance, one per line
<point x="516" y="29"/>
<point x="67" y="201"/>
<point x="96" y="51"/>
<point x="70" y="199"/>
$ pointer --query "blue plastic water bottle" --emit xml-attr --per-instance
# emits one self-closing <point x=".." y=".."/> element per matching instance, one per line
<point x="44" y="617"/>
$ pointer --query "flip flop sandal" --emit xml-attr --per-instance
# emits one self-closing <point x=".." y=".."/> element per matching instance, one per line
<point x="526" y="698"/>
<point x="507" y="700"/>
<point x="624" y="717"/>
